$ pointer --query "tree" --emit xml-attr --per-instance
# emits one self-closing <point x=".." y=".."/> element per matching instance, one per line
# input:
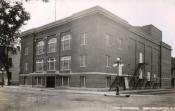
<point x="12" y="17"/>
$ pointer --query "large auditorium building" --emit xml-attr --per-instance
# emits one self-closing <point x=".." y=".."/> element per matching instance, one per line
<point x="81" y="50"/>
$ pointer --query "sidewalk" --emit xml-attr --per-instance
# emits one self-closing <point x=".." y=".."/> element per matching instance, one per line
<point x="87" y="90"/>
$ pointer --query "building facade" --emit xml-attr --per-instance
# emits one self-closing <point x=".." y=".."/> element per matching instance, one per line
<point x="80" y="50"/>
<point x="173" y="72"/>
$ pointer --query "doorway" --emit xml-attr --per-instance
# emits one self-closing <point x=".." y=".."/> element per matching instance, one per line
<point x="50" y="82"/>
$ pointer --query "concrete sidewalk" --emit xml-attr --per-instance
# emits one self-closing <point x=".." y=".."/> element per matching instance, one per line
<point x="87" y="90"/>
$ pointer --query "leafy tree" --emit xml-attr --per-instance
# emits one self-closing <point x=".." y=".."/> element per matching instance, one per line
<point x="12" y="17"/>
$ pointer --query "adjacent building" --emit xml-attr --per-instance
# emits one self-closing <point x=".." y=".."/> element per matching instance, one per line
<point x="80" y="50"/>
<point x="173" y="72"/>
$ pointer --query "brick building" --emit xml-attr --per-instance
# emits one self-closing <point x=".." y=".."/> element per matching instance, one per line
<point x="79" y="51"/>
<point x="173" y="71"/>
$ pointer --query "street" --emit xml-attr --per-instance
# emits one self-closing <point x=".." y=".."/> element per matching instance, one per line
<point x="37" y="99"/>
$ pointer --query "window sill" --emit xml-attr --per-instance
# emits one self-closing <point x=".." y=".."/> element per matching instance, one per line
<point x="39" y="71"/>
<point x="65" y="69"/>
<point x="83" y="66"/>
<point x="39" y="54"/>
<point x="51" y="70"/>
<point x="51" y="52"/>
<point x="83" y="44"/>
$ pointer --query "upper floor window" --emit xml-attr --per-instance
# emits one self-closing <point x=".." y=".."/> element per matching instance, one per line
<point x="107" y="61"/>
<point x="107" y="37"/>
<point x="66" y="42"/>
<point x="39" y="65"/>
<point x="141" y="57"/>
<point x="83" y="60"/>
<point x="40" y="48"/>
<point x="51" y="64"/>
<point x="120" y="42"/>
<point x="148" y="76"/>
<point x="52" y="43"/>
<point x="65" y="63"/>
<point x="26" y="66"/>
<point x="84" y="39"/>
<point x="26" y="51"/>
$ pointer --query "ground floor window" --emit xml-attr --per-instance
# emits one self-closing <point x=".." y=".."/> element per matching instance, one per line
<point x="148" y="76"/>
<point x="25" y="80"/>
<point x="38" y="80"/>
<point x="140" y="74"/>
<point x="108" y="81"/>
<point x="82" y="81"/>
<point x="155" y="77"/>
<point x="64" y="81"/>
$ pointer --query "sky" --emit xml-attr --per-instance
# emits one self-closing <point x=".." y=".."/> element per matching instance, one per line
<point x="160" y="13"/>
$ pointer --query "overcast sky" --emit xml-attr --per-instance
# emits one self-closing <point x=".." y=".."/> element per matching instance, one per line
<point x="160" y="13"/>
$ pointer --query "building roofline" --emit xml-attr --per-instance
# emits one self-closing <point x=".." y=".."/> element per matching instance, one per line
<point x="90" y="11"/>
<point x="166" y="45"/>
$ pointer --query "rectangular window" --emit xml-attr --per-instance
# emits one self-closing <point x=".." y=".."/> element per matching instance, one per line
<point x="66" y="42"/>
<point x="40" y="48"/>
<point x="120" y="43"/>
<point x="26" y="66"/>
<point x="38" y="80"/>
<point x="52" y="43"/>
<point x="107" y="61"/>
<point x="84" y="39"/>
<point x="83" y="60"/>
<point x="140" y="74"/>
<point x="64" y="81"/>
<point x="26" y="51"/>
<point x="108" y="81"/>
<point x="39" y="65"/>
<point x="107" y="39"/>
<point x="140" y="57"/>
<point x="51" y="64"/>
<point x="155" y="77"/>
<point x="148" y="76"/>
<point x="82" y="81"/>
<point x="65" y="63"/>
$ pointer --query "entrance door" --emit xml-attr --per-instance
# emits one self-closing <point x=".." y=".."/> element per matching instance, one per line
<point x="50" y="82"/>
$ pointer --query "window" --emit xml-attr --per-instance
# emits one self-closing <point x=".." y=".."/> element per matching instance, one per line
<point x="155" y="77"/>
<point x="140" y="74"/>
<point x="107" y="61"/>
<point x="66" y="42"/>
<point x="107" y="39"/>
<point x="84" y="39"/>
<point x="82" y="81"/>
<point x="65" y="63"/>
<point x="52" y="43"/>
<point x="108" y="81"/>
<point x="38" y="80"/>
<point x="26" y="51"/>
<point x="26" y="66"/>
<point x="64" y="81"/>
<point x="40" y="48"/>
<point x="83" y="60"/>
<point x="140" y="57"/>
<point x="39" y="65"/>
<point x="120" y="43"/>
<point x="148" y="76"/>
<point x="51" y="64"/>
